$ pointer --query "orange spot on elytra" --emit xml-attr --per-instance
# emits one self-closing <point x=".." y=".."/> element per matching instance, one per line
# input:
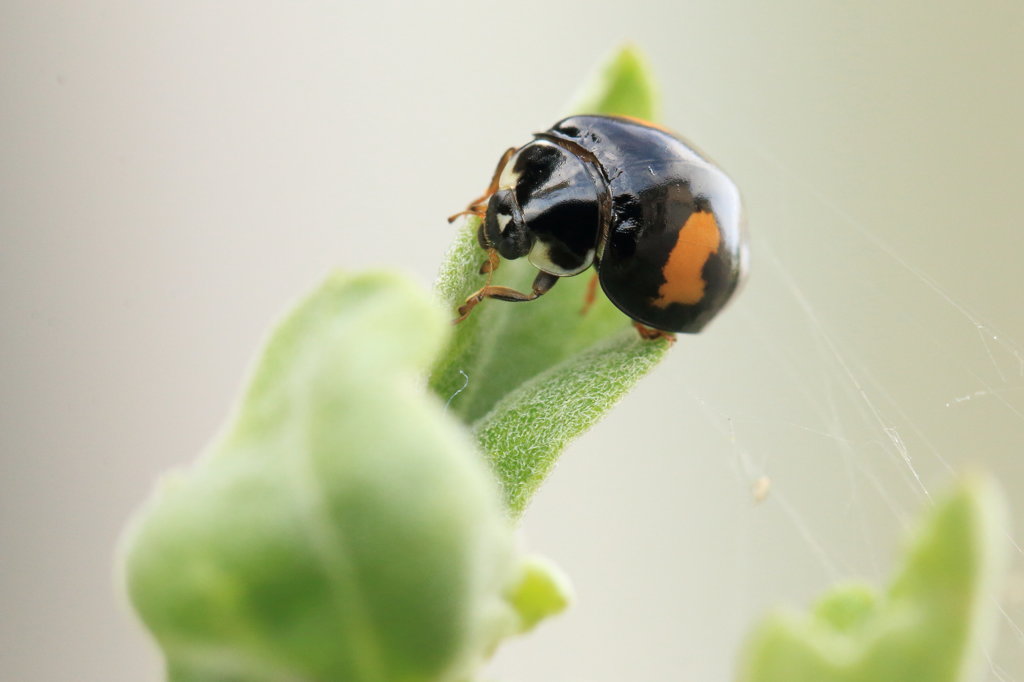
<point x="697" y="240"/>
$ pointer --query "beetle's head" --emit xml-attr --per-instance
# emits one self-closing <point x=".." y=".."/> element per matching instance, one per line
<point x="546" y="206"/>
<point x="504" y="228"/>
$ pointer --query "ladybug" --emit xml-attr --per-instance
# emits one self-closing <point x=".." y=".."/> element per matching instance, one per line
<point x="662" y="225"/>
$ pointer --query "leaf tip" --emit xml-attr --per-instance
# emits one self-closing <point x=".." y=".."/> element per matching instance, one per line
<point x="542" y="591"/>
<point x="623" y="84"/>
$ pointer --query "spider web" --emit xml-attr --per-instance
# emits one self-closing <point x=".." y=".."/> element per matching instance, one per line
<point x="907" y="386"/>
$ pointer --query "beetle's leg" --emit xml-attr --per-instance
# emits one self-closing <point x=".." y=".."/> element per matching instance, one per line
<point x="652" y="334"/>
<point x="478" y="206"/>
<point x="590" y="296"/>
<point x="472" y="210"/>
<point x="542" y="283"/>
<point x="480" y="203"/>
<point x="491" y="264"/>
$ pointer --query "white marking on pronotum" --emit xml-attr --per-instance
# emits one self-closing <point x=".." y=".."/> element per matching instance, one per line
<point x="464" y="385"/>
<point x="508" y="177"/>
<point x="540" y="258"/>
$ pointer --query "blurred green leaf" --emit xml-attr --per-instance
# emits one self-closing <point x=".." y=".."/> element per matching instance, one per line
<point x="624" y="85"/>
<point x="929" y="626"/>
<point x="342" y="528"/>
<point x="529" y="377"/>
<point x="542" y="591"/>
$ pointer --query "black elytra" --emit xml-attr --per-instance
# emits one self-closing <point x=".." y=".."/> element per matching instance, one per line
<point x="662" y="225"/>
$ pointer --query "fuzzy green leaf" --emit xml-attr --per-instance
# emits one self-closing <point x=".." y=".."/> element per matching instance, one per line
<point x="524" y="433"/>
<point x="529" y="377"/>
<point x="343" y="527"/>
<point x="929" y="626"/>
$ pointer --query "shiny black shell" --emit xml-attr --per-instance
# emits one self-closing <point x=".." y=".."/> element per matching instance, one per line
<point x="662" y="225"/>
<point x="671" y="251"/>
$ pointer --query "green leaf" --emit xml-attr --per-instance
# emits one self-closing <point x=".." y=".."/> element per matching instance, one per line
<point x="543" y="591"/>
<point x="343" y="527"/>
<point x="622" y="86"/>
<point x="527" y="429"/>
<point x="929" y="626"/>
<point x="529" y="377"/>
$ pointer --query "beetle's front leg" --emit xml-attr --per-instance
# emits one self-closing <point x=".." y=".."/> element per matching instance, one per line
<point x="478" y="206"/>
<point x="542" y="284"/>
<point x="491" y="264"/>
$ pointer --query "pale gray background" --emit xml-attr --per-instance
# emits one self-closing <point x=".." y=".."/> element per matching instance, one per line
<point x="172" y="174"/>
